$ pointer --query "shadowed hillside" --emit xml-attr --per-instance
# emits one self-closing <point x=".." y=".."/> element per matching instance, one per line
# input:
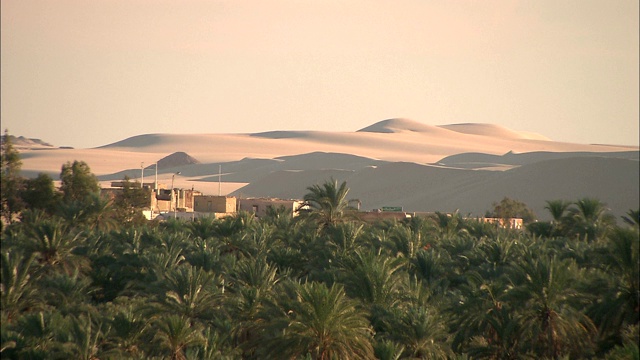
<point x="426" y="188"/>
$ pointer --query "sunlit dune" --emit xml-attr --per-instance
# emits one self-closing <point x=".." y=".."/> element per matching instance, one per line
<point x="310" y="156"/>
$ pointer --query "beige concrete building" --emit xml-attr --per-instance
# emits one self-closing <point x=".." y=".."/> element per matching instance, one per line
<point x="161" y="200"/>
<point x="511" y="223"/>
<point x="214" y="204"/>
<point x="259" y="206"/>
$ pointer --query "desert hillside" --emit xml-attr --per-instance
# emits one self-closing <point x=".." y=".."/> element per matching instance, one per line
<point x="416" y="187"/>
<point x="394" y="162"/>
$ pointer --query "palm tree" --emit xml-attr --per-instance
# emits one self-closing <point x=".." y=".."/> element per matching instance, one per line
<point x="373" y="277"/>
<point x="174" y="334"/>
<point x="280" y="217"/>
<point x="85" y="335"/>
<point x="100" y="213"/>
<point x="18" y="290"/>
<point x="485" y="325"/>
<point x="42" y="335"/>
<point x="544" y="291"/>
<point x="421" y="330"/>
<point x="68" y="294"/>
<point x="501" y="337"/>
<point x="345" y="238"/>
<point x="431" y="268"/>
<point x="403" y="241"/>
<point x="589" y="220"/>
<point x="327" y="203"/>
<point x="632" y="218"/>
<point x="252" y="283"/>
<point x="54" y="243"/>
<point x="620" y="288"/>
<point x="203" y="227"/>
<point x="167" y="253"/>
<point x="126" y="333"/>
<point x="320" y="322"/>
<point x="207" y="255"/>
<point x="189" y="292"/>
<point x="388" y="350"/>
<point x="448" y="226"/>
<point x="497" y="255"/>
<point x="558" y="210"/>
<point x="629" y="347"/>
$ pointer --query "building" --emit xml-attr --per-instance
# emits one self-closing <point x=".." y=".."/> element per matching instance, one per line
<point x="375" y="216"/>
<point x="511" y="223"/>
<point x="214" y="204"/>
<point x="259" y="206"/>
<point x="161" y="200"/>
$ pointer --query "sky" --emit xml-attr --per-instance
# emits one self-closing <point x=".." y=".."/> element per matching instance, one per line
<point x="88" y="73"/>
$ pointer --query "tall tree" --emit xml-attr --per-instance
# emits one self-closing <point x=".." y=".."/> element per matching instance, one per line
<point x="327" y="202"/>
<point x="174" y="334"/>
<point x="78" y="182"/>
<point x="373" y="277"/>
<point x="589" y="219"/>
<point x="422" y="330"/>
<point x="18" y="290"/>
<point x="189" y="292"/>
<point x="509" y="208"/>
<point x="130" y="202"/>
<point x="558" y="210"/>
<point x="320" y="322"/>
<point x="10" y="180"/>
<point x="40" y="193"/>
<point x="620" y="293"/>
<point x="632" y="218"/>
<point x="545" y="290"/>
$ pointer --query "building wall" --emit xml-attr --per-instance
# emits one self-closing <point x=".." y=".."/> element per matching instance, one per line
<point x="160" y="200"/>
<point x="373" y="216"/>
<point x="214" y="204"/>
<point x="259" y="206"/>
<point x="511" y="223"/>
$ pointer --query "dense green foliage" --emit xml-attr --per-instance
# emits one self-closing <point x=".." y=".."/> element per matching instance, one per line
<point x="80" y="283"/>
<point x="295" y="288"/>
<point x="10" y="180"/>
<point x="510" y="208"/>
<point x="78" y="183"/>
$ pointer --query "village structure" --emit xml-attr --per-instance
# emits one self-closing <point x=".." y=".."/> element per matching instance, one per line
<point x="189" y="204"/>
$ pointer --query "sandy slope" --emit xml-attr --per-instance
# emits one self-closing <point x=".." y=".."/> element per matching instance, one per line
<point x="392" y="140"/>
<point x="385" y="165"/>
<point x="427" y="188"/>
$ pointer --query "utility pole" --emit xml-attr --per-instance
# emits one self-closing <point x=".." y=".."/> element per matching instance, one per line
<point x="142" y="175"/>
<point x="155" y="184"/>
<point x="219" y="175"/>
<point x="175" y="209"/>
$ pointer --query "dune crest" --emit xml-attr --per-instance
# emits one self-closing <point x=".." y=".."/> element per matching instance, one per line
<point x="389" y="140"/>
<point x="387" y="163"/>
<point x="493" y="130"/>
<point x="399" y="125"/>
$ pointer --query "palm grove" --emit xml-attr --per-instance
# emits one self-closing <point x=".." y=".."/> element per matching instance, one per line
<point x="84" y="278"/>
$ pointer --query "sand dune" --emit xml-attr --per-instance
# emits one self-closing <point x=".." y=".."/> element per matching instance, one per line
<point x="481" y="160"/>
<point x="426" y="188"/>
<point x="403" y="125"/>
<point x="493" y="130"/>
<point x="385" y="164"/>
<point x="390" y="140"/>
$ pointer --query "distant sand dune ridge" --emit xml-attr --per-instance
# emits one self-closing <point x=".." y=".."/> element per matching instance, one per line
<point x="390" y="164"/>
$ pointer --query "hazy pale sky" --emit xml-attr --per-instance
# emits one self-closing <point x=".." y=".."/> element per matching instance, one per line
<point x="87" y="73"/>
